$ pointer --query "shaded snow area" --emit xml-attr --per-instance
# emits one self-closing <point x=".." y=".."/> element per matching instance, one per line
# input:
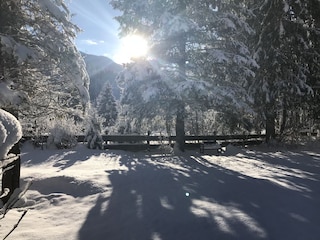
<point x="83" y="194"/>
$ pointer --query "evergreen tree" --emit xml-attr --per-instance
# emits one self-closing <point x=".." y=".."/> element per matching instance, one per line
<point x="146" y="93"/>
<point x="167" y="23"/>
<point x="106" y="106"/>
<point x="282" y="49"/>
<point x="313" y="102"/>
<point x="223" y="56"/>
<point x="190" y="39"/>
<point x="52" y="71"/>
<point x="40" y="68"/>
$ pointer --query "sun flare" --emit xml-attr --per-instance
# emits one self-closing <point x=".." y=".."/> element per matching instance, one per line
<point x="132" y="46"/>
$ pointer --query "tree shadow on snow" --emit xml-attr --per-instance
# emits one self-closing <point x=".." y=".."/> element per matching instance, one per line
<point x="186" y="197"/>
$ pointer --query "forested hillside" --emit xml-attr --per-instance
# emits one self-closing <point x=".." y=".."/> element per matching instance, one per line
<point x="101" y="70"/>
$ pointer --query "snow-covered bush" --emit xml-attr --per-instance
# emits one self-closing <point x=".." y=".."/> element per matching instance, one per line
<point x="94" y="129"/>
<point x="63" y="134"/>
<point x="106" y="106"/>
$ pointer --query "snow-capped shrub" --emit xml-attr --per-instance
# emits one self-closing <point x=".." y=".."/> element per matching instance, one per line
<point x="94" y="129"/>
<point x="62" y="134"/>
<point x="94" y="139"/>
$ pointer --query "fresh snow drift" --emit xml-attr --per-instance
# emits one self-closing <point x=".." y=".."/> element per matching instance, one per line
<point x="81" y="194"/>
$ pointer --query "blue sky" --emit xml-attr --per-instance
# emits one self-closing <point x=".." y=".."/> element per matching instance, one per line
<point x="100" y="29"/>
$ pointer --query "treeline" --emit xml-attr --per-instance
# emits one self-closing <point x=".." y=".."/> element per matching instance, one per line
<point x="255" y="64"/>
<point x="215" y="67"/>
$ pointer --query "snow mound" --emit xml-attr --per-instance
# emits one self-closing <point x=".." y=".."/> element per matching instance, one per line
<point x="66" y="185"/>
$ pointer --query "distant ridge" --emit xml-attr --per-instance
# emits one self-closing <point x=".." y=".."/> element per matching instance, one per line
<point x="100" y="62"/>
<point x="101" y="70"/>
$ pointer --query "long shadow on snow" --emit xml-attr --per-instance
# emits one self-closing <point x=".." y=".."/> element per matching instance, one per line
<point x="184" y="198"/>
<point x="282" y="211"/>
<point x="299" y="157"/>
<point x="297" y="169"/>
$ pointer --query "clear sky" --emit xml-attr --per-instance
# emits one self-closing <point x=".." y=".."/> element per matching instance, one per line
<point x="100" y="29"/>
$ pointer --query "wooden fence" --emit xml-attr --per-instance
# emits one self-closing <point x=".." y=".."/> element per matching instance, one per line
<point x="143" y="142"/>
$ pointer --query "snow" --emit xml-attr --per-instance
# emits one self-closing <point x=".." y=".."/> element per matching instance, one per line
<point x="53" y="8"/>
<point x="228" y="23"/>
<point x="175" y="24"/>
<point x="286" y="6"/>
<point x="245" y="193"/>
<point x="10" y="133"/>
<point x="219" y="56"/>
<point x="19" y="51"/>
<point x="8" y="96"/>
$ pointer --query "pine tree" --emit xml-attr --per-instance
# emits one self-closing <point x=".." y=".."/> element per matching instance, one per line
<point x="52" y="71"/>
<point x="106" y="106"/>
<point x="224" y="58"/>
<point x="313" y="102"/>
<point x="146" y="92"/>
<point x="190" y="39"/>
<point x="38" y="62"/>
<point x="282" y="49"/>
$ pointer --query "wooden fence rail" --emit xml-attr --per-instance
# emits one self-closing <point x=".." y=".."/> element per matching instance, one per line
<point x="139" y="142"/>
<point x="146" y="138"/>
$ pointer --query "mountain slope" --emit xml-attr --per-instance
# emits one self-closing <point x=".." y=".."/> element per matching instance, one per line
<point x="101" y="70"/>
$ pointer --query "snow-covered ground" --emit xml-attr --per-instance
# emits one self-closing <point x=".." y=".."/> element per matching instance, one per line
<point x="83" y="194"/>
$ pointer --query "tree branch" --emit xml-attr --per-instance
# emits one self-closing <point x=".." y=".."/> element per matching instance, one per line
<point x="17" y="224"/>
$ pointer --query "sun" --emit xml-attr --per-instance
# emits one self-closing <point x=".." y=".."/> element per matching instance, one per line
<point x="131" y="47"/>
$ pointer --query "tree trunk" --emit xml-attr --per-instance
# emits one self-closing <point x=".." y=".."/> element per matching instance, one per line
<point x="168" y="128"/>
<point x="270" y="126"/>
<point x="180" y="133"/>
<point x="284" y="120"/>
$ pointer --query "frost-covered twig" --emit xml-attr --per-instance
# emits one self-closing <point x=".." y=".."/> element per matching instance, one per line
<point x="16" y="225"/>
